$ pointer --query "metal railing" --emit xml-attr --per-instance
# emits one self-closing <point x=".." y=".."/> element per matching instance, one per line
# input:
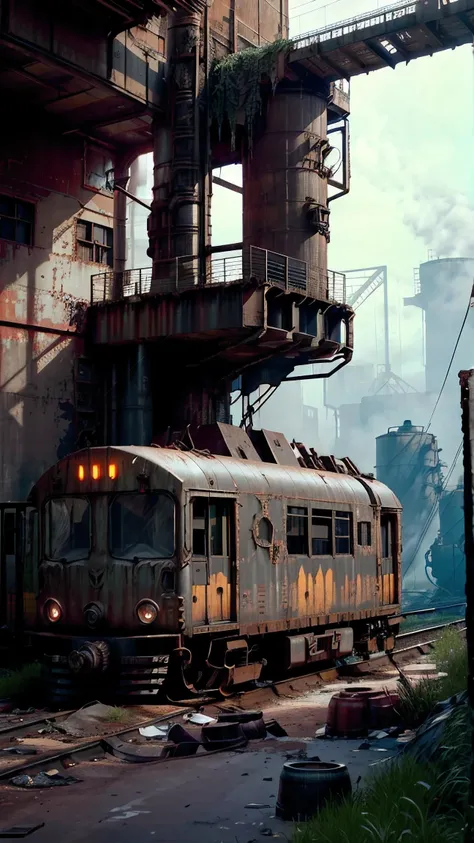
<point x="336" y="287"/>
<point x="360" y="22"/>
<point x="416" y="280"/>
<point x="278" y="269"/>
<point x="184" y="273"/>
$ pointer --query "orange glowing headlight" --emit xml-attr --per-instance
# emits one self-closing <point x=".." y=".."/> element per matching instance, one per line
<point x="147" y="611"/>
<point x="112" y="471"/>
<point x="95" y="472"/>
<point x="53" y="611"/>
<point x="81" y="472"/>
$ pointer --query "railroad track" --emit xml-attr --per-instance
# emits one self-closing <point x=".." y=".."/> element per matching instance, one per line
<point x="91" y="749"/>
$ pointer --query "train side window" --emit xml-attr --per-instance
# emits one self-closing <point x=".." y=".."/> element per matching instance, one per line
<point x="297" y="530"/>
<point x="321" y="532"/>
<point x="364" y="534"/>
<point x="200" y="507"/>
<point x="343" y="530"/>
<point x="386" y="531"/>
<point x="218" y="527"/>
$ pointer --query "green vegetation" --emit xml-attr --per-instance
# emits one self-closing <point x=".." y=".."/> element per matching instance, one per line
<point x="235" y="85"/>
<point x="20" y="684"/>
<point x="118" y="715"/>
<point x="406" y="799"/>
<point x="418" y="700"/>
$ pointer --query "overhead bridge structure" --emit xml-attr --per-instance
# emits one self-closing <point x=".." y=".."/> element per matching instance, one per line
<point x="384" y="38"/>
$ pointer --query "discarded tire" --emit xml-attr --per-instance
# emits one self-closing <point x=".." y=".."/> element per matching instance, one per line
<point x="254" y="730"/>
<point x="240" y="716"/>
<point x="222" y="736"/>
<point x="306" y="786"/>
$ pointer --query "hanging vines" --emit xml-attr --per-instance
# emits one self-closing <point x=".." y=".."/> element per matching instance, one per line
<point x="235" y="85"/>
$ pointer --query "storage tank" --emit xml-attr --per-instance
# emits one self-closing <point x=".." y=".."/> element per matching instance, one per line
<point x="445" y="560"/>
<point x="407" y="461"/>
<point x="442" y="290"/>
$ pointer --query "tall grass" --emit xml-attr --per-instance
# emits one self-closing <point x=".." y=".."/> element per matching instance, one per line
<point x="417" y="700"/>
<point x="407" y="802"/>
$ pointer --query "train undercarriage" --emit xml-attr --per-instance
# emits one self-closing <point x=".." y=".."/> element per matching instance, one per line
<point x="173" y="667"/>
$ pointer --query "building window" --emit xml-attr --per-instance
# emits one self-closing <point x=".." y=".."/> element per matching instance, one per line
<point x="16" y="220"/>
<point x="94" y="243"/>
<point x="364" y="534"/>
<point x="343" y="530"/>
<point x="297" y="530"/>
<point x="321" y="532"/>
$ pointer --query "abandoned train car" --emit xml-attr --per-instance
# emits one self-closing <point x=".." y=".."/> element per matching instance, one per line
<point x="199" y="569"/>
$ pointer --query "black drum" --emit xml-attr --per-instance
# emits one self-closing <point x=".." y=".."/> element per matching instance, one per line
<point x="305" y="787"/>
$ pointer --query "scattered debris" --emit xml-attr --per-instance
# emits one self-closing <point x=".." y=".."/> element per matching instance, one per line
<point x="199" y="719"/>
<point x="50" y="728"/>
<point x="257" y="805"/>
<point x="156" y="732"/>
<point x="185" y="743"/>
<point x="18" y="750"/>
<point x="21" y="711"/>
<point x="274" y="728"/>
<point x="425" y="745"/>
<point x="320" y="733"/>
<point x="87" y="720"/>
<point x="365" y="745"/>
<point x="44" y="779"/>
<point x="20" y="830"/>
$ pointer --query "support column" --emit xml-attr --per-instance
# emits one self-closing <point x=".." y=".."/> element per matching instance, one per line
<point x="121" y="175"/>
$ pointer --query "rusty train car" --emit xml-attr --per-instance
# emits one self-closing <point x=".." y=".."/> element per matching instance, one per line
<point x="195" y="570"/>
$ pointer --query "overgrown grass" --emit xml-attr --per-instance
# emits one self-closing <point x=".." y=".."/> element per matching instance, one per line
<point x="407" y="801"/>
<point x="118" y="715"/>
<point x="417" y="700"/>
<point x="21" y="685"/>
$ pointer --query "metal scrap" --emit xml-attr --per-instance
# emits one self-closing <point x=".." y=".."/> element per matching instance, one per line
<point x="43" y="779"/>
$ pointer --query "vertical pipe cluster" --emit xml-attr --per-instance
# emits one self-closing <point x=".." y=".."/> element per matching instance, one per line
<point x="185" y="166"/>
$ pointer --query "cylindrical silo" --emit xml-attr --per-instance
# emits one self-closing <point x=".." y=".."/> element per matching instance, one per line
<point x="285" y="182"/>
<point x="407" y="461"/>
<point x="445" y="561"/>
<point x="443" y="292"/>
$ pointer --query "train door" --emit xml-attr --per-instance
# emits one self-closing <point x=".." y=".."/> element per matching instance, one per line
<point x="18" y="540"/>
<point x="388" y="557"/>
<point x="213" y="560"/>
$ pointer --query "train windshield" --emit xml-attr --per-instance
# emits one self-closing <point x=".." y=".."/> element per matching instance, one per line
<point x="142" y="526"/>
<point x="68" y="529"/>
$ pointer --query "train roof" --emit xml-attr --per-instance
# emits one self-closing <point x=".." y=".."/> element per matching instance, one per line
<point x="211" y="473"/>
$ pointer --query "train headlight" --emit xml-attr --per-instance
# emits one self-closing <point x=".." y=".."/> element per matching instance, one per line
<point x="147" y="611"/>
<point x="53" y="611"/>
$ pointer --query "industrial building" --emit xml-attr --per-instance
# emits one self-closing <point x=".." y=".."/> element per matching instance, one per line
<point x="95" y="350"/>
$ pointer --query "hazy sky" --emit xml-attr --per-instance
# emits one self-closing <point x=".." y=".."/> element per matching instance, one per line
<point x="412" y="183"/>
